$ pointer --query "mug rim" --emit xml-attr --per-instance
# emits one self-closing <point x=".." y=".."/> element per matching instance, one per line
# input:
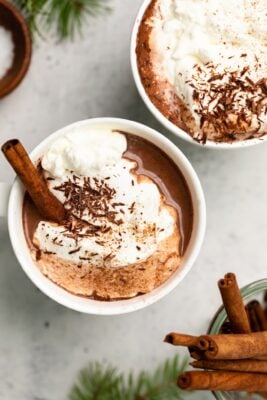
<point x="91" y="306"/>
<point x="176" y="130"/>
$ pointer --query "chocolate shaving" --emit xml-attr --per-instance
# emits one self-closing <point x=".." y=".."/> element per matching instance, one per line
<point x="57" y="242"/>
<point x="89" y="196"/>
<point x="229" y="102"/>
<point x="105" y="230"/>
<point x="93" y="199"/>
<point x="99" y="242"/>
<point x="75" y="250"/>
<point x="85" y="258"/>
<point x="131" y="208"/>
<point x="108" y="257"/>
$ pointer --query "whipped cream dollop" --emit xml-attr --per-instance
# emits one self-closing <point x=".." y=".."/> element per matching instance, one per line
<point x="117" y="217"/>
<point x="86" y="150"/>
<point x="207" y="47"/>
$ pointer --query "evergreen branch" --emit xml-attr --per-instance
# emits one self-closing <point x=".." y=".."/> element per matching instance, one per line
<point x="94" y="383"/>
<point x="98" y="383"/>
<point x="67" y="15"/>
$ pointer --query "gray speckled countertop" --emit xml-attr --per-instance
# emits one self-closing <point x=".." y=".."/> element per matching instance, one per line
<point x="43" y="345"/>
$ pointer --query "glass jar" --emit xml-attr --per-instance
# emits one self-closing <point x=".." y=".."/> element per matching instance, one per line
<point x="253" y="291"/>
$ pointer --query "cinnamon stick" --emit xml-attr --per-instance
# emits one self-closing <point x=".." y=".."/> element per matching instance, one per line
<point x="234" y="346"/>
<point x="195" y="353"/>
<point x="265" y="302"/>
<point x="47" y="204"/>
<point x="253" y="320"/>
<point x="233" y="365"/>
<point x="258" y="320"/>
<point x="179" y="339"/>
<point x="220" y="380"/>
<point x="233" y="304"/>
<point x="226" y="328"/>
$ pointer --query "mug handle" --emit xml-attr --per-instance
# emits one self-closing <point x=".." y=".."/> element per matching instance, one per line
<point x="4" y="197"/>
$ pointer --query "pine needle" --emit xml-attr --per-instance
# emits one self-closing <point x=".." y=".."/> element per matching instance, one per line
<point x="106" y="383"/>
<point x="67" y="15"/>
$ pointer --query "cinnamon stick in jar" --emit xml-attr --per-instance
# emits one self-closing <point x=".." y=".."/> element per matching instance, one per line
<point x="234" y="346"/>
<point x="46" y="203"/>
<point x="257" y="317"/>
<point x="232" y="365"/>
<point x="223" y="380"/>
<point x="253" y="320"/>
<point x="226" y="328"/>
<point x="195" y="353"/>
<point x="233" y="304"/>
<point x="180" y="339"/>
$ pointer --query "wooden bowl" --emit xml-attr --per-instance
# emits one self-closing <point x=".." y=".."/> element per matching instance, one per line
<point x="12" y="20"/>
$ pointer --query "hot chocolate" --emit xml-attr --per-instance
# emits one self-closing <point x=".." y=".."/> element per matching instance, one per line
<point x="203" y="65"/>
<point x="129" y="215"/>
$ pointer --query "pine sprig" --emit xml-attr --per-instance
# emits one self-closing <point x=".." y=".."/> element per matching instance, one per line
<point x="67" y="15"/>
<point x="96" y="383"/>
<point x="106" y="383"/>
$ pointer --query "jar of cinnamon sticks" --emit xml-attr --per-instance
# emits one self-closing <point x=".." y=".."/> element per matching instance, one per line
<point x="231" y="359"/>
<point x="253" y="291"/>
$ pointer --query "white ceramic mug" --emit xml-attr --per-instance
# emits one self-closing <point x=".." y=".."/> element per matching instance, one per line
<point x="157" y="114"/>
<point x="87" y="305"/>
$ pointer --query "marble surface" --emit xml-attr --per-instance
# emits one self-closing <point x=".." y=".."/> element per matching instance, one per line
<point x="42" y="344"/>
